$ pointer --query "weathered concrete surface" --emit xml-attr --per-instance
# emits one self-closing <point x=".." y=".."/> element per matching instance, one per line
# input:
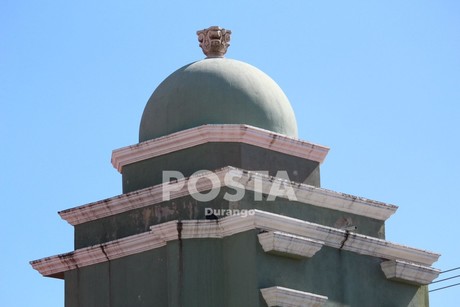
<point x="211" y="156"/>
<point x="229" y="273"/>
<point x="217" y="91"/>
<point x="187" y="208"/>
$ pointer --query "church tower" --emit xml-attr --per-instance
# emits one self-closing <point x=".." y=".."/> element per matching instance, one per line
<point x="222" y="207"/>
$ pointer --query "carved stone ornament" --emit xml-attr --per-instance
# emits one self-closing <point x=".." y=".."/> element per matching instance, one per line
<point x="214" y="41"/>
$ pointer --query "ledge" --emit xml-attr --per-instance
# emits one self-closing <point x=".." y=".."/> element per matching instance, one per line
<point x="56" y="266"/>
<point x="154" y="195"/>
<point x="160" y="234"/>
<point x="280" y="243"/>
<point x="343" y="239"/>
<point x="218" y="133"/>
<point x="409" y="272"/>
<point x="284" y="297"/>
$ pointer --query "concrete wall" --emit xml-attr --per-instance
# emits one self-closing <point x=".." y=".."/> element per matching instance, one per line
<point x="137" y="280"/>
<point x="229" y="273"/>
<point x="211" y="156"/>
<point x="186" y="208"/>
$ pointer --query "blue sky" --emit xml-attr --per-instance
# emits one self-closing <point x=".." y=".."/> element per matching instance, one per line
<point x="376" y="81"/>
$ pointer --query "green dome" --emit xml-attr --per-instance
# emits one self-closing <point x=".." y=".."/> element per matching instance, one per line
<point x="217" y="91"/>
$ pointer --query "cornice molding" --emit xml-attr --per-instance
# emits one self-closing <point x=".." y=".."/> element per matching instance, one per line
<point x="160" y="234"/>
<point x="154" y="195"/>
<point x="285" y="297"/>
<point x="56" y="266"/>
<point x="218" y="133"/>
<point x="343" y="239"/>
<point x="409" y="272"/>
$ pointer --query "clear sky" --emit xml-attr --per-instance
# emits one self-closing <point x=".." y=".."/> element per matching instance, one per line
<point x="376" y="81"/>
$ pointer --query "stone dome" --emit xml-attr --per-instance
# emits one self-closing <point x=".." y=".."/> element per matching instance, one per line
<point x="217" y="91"/>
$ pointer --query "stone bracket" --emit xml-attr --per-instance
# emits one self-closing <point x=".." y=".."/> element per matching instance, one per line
<point x="280" y="243"/>
<point x="407" y="272"/>
<point x="285" y="297"/>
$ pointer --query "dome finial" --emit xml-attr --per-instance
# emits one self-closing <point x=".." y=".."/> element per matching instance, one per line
<point x="214" y="41"/>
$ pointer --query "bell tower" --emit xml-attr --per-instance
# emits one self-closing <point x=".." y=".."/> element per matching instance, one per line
<point x="222" y="205"/>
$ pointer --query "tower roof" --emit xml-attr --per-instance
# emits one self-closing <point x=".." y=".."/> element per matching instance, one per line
<point x="216" y="90"/>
